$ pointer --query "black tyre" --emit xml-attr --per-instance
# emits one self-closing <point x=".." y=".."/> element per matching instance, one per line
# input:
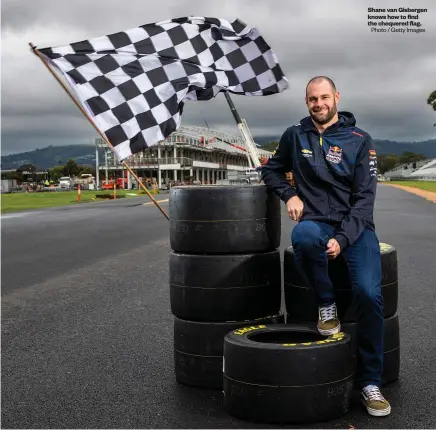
<point x="300" y="298"/>
<point x="391" y="344"/>
<point x="391" y="347"/>
<point x="198" y="349"/>
<point x="284" y="374"/>
<point x="224" y="219"/>
<point x="225" y="287"/>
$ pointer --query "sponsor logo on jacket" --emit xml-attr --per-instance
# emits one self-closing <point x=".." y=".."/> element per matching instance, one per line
<point x="334" y="155"/>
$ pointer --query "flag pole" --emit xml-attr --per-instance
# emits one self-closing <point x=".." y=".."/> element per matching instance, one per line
<point x="97" y="129"/>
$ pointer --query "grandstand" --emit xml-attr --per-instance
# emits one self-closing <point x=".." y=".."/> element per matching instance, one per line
<point x="420" y="170"/>
<point x="426" y="172"/>
<point x="189" y="153"/>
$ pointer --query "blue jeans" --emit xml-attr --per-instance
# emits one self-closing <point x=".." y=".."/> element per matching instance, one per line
<point x="309" y="240"/>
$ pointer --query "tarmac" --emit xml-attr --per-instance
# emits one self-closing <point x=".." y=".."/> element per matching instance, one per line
<point x="87" y="337"/>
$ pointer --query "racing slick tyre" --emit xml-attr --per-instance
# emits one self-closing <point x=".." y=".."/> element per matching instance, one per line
<point x="287" y="374"/>
<point x="300" y="298"/>
<point x="220" y="219"/>
<point x="391" y="347"/>
<point x="225" y="287"/>
<point x="391" y="344"/>
<point x="198" y="349"/>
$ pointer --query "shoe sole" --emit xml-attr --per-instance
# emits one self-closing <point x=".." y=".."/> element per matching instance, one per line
<point x="334" y="330"/>
<point x="377" y="412"/>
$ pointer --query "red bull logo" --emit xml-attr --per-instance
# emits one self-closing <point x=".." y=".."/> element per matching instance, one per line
<point x="334" y="155"/>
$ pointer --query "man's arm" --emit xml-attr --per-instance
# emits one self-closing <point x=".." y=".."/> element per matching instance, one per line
<point x="274" y="171"/>
<point x="363" y="195"/>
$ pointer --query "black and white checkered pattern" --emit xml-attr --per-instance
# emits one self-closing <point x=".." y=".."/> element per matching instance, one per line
<point x="134" y="83"/>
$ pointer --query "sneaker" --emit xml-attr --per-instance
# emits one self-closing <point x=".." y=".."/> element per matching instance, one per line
<point x="374" y="401"/>
<point x="328" y="321"/>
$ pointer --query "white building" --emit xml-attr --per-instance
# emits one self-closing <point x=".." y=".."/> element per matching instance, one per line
<point x="189" y="153"/>
<point x="426" y="172"/>
<point x="407" y="170"/>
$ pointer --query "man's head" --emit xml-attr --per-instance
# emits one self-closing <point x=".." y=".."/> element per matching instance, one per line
<point x="322" y="99"/>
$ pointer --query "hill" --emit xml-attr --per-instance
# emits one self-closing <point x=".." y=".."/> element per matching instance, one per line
<point x="52" y="156"/>
<point x="384" y="147"/>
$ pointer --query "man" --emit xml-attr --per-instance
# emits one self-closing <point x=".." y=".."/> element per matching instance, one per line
<point x="334" y="166"/>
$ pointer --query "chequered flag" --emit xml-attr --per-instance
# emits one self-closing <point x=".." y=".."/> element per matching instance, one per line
<point x="134" y="83"/>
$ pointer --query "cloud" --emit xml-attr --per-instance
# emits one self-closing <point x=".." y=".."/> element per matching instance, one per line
<point x="383" y="78"/>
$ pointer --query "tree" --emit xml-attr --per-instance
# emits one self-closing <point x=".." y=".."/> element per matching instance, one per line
<point x="411" y="157"/>
<point x="387" y="162"/>
<point x="71" y="168"/>
<point x="28" y="168"/>
<point x="270" y="146"/>
<point x="56" y="173"/>
<point x="432" y="100"/>
<point x="86" y="169"/>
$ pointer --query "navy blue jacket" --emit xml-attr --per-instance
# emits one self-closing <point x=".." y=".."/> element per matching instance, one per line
<point x="335" y="174"/>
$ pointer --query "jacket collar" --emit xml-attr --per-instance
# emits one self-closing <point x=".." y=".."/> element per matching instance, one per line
<point x="345" y="119"/>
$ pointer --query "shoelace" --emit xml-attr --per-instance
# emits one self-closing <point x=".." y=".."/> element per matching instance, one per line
<point x="373" y="393"/>
<point x="328" y="313"/>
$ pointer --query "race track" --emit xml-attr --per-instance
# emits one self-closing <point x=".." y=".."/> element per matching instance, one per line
<point x="87" y="327"/>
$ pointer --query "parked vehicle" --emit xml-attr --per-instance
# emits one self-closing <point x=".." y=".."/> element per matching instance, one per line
<point x="66" y="182"/>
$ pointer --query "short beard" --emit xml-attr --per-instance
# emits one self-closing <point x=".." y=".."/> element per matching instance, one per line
<point x="329" y="117"/>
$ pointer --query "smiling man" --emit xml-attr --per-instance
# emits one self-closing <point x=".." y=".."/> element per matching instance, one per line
<point x="334" y="169"/>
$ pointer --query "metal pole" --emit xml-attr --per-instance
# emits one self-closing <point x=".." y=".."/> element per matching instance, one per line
<point x="97" y="170"/>
<point x="232" y="108"/>
<point x="243" y="128"/>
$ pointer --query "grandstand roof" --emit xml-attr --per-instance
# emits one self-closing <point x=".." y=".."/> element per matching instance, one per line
<point x="428" y="170"/>
<point x="215" y="139"/>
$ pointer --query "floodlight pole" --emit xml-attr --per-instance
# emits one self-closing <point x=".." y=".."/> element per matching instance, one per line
<point x="243" y="128"/>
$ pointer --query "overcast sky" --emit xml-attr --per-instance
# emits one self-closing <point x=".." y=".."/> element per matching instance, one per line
<point x="384" y="78"/>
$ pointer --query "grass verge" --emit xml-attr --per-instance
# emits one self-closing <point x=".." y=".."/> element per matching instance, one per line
<point x="422" y="185"/>
<point x="16" y="202"/>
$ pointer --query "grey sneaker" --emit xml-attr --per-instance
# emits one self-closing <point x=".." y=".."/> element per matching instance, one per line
<point x="328" y="321"/>
<point x="375" y="403"/>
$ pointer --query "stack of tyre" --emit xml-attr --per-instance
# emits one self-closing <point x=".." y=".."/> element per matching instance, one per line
<point x="224" y="272"/>
<point x="301" y="304"/>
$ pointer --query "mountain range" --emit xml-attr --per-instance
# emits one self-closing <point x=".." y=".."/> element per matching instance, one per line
<point x="52" y="156"/>
<point x="385" y="147"/>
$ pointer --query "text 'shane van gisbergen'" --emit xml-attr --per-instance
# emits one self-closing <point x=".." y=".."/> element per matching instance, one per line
<point x="401" y="9"/>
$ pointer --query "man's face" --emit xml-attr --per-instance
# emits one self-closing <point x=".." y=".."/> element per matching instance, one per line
<point x="321" y="101"/>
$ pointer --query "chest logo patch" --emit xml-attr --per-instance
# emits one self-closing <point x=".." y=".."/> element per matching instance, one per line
<point x="306" y="153"/>
<point x="334" y="155"/>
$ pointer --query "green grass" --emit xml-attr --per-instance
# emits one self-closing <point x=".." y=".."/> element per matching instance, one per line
<point x="422" y="185"/>
<point x="21" y="201"/>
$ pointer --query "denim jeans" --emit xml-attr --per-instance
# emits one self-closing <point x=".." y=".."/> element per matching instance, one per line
<point x="309" y="240"/>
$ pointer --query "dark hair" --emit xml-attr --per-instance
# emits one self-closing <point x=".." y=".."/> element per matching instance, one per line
<point x="318" y="79"/>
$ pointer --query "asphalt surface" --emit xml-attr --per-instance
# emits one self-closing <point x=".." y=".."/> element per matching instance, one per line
<point x="87" y="326"/>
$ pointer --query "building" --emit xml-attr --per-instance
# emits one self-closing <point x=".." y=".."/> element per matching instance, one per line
<point x="427" y="172"/>
<point x="417" y="170"/>
<point x="188" y="154"/>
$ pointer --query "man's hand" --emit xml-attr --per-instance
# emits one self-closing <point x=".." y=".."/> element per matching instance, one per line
<point x="295" y="208"/>
<point x="333" y="249"/>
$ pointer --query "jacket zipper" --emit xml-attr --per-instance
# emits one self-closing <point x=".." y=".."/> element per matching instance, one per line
<point x="328" y="195"/>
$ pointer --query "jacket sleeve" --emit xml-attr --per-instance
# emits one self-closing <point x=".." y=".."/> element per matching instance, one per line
<point x="275" y="169"/>
<point x="363" y="196"/>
